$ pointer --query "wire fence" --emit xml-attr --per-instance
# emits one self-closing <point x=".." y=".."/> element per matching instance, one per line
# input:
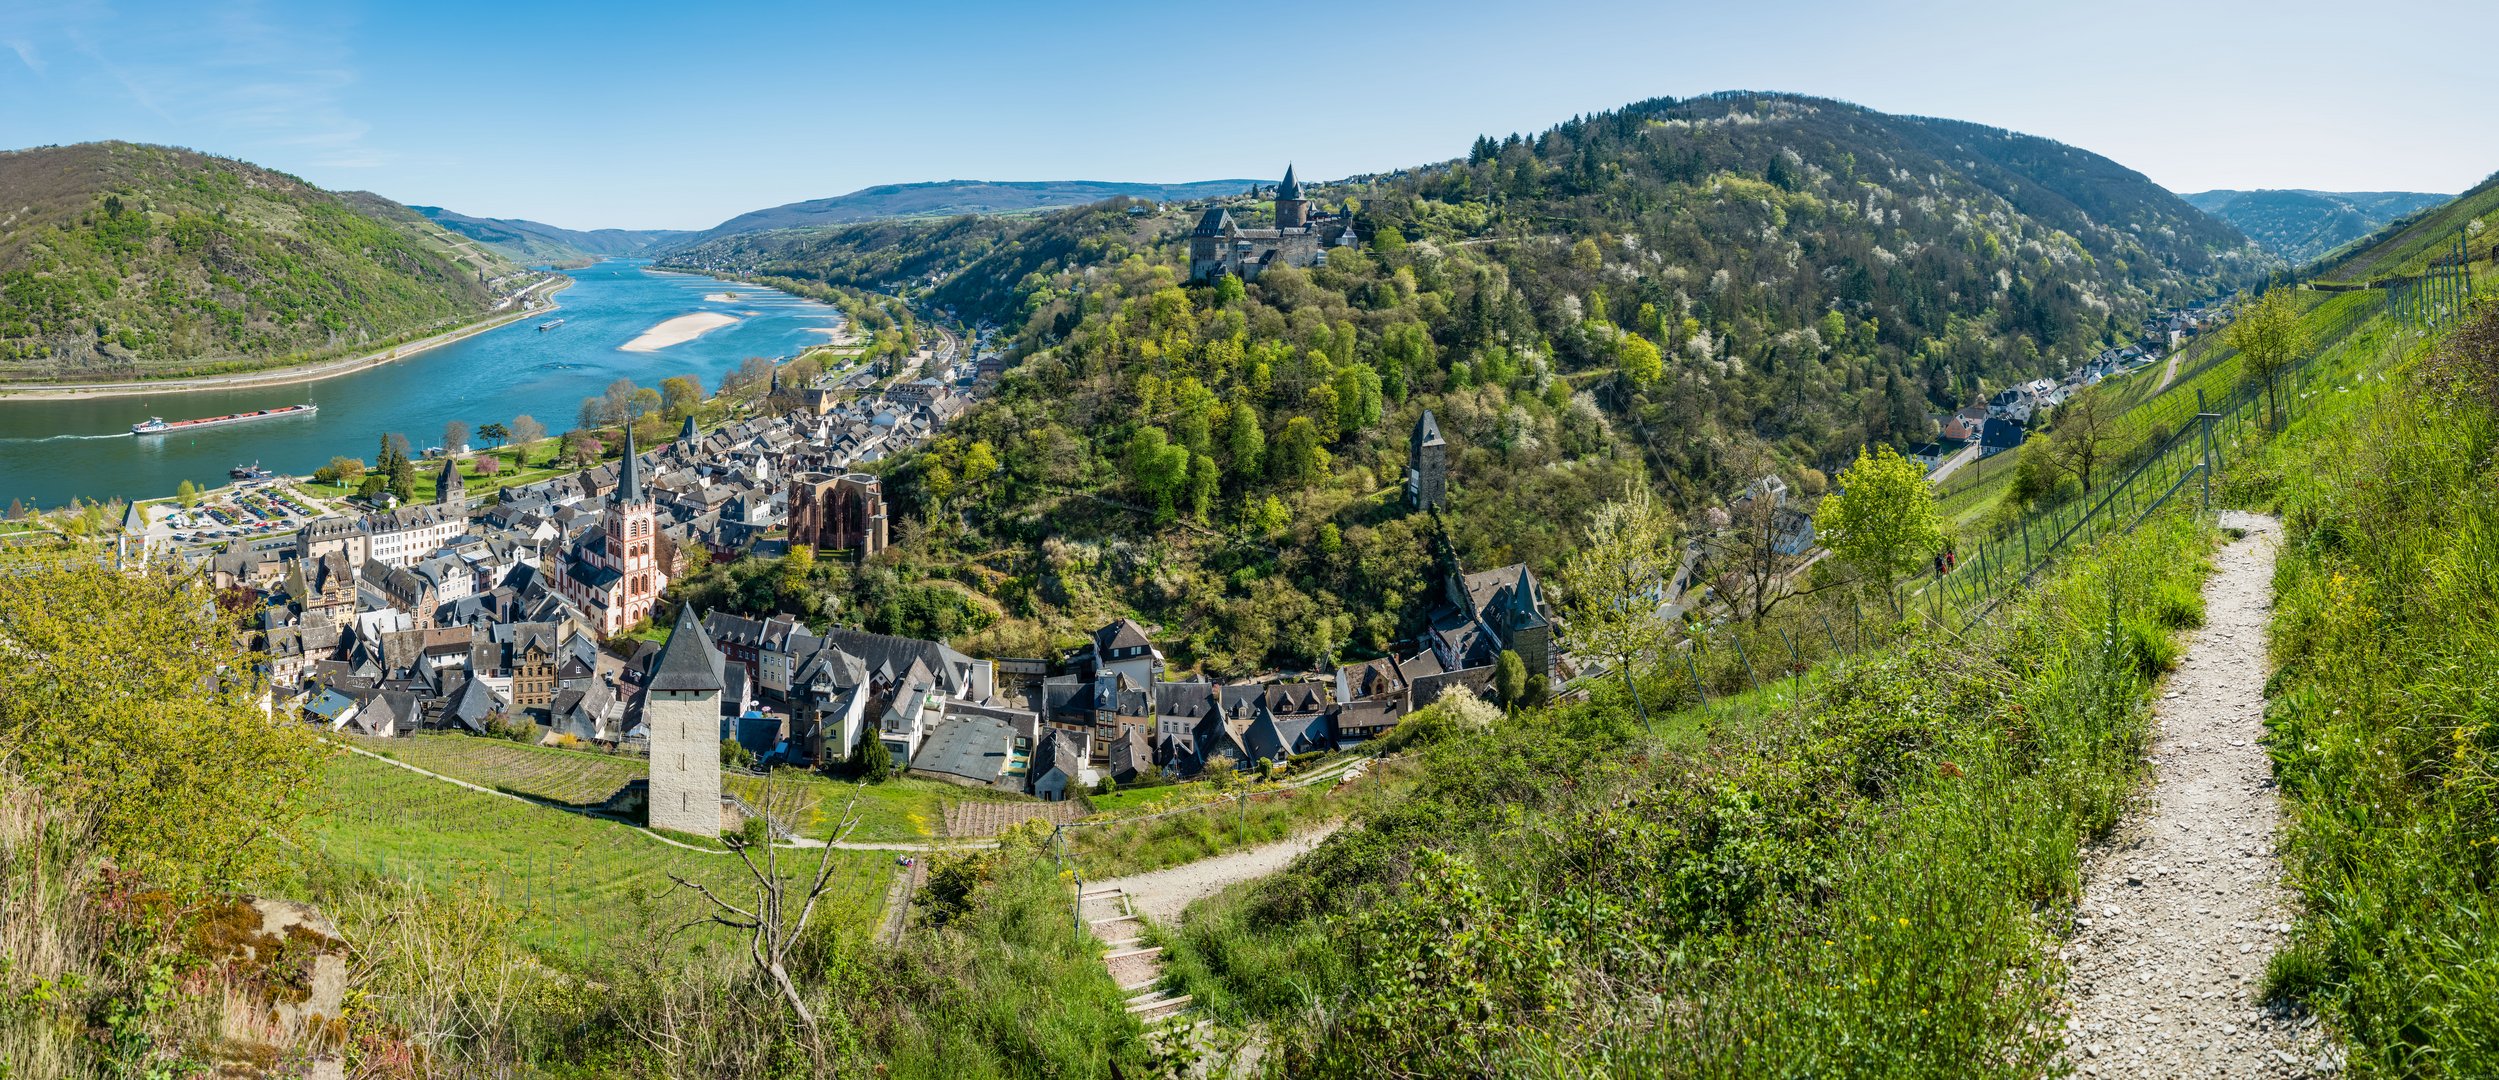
<point x="2192" y="439"/>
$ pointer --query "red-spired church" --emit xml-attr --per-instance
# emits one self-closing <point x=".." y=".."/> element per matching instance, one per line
<point x="612" y="573"/>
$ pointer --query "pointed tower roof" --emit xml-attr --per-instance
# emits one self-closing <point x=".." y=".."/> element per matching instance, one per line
<point x="1290" y="188"/>
<point x="448" y="487"/>
<point x="1427" y="431"/>
<point x="687" y="434"/>
<point x="629" y="474"/>
<point x="688" y="663"/>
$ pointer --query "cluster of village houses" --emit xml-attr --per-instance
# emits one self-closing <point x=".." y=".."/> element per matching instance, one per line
<point x="2002" y="421"/>
<point x="507" y="617"/>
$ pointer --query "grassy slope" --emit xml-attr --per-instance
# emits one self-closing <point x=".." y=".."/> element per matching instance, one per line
<point x="575" y="884"/>
<point x="2407" y="246"/>
<point x="1869" y="869"/>
<point x="903" y="808"/>
<point x="118" y="259"/>
<point x="2382" y="722"/>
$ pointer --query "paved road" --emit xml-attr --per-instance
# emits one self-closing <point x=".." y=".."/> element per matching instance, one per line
<point x="1953" y="464"/>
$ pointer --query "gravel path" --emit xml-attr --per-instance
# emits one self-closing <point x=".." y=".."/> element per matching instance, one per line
<point x="1161" y="895"/>
<point x="2181" y="910"/>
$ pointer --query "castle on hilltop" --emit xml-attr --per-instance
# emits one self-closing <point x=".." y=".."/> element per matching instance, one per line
<point x="1221" y="246"/>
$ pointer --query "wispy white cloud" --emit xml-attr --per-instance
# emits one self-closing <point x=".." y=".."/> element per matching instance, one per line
<point x="241" y="75"/>
<point x="26" y="54"/>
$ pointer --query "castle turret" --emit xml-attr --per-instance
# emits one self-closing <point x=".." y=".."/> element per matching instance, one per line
<point x="1292" y="211"/>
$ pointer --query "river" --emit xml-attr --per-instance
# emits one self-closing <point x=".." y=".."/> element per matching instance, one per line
<point x="51" y="451"/>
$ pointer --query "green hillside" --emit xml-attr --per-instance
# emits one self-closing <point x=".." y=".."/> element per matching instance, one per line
<point x="2302" y="225"/>
<point x="2404" y="248"/>
<point x="944" y="198"/>
<point x="535" y="242"/>
<point x="1681" y="294"/>
<point x="120" y="260"/>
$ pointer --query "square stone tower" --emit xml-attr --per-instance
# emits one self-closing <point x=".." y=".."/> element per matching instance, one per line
<point x="681" y="709"/>
<point x="1427" y="465"/>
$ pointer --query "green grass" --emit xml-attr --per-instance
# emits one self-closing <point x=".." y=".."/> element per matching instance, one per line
<point x="1864" y="866"/>
<point x="2409" y="249"/>
<point x="1262" y="814"/>
<point x="902" y="808"/>
<point x="2382" y="725"/>
<point x="576" y="885"/>
<point x="1137" y="800"/>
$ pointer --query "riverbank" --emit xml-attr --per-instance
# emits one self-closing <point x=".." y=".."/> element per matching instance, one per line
<point x="301" y="373"/>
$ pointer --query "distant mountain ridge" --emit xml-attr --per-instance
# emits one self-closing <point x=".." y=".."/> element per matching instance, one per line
<point x="120" y="259"/>
<point x="945" y="198"/>
<point x="536" y="241"/>
<point x="2301" y="225"/>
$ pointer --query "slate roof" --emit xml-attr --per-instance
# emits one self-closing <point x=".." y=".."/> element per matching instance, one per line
<point x="629" y="474"/>
<point x="972" y="747"/>
<point x="470" y="704"/>
<point x="689" y="663"/>
<point x="2001" y="435"/>
<point x="1426" y="432"/>
<point x="887" y="658"/>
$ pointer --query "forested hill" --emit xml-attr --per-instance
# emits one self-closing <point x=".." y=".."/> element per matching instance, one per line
<point x="943" y="198"/>
<point x="538" y="242"/>
<point x="122" y="259"/>
<point x="2303" y="225"/>
<point x="1683" y="294"/>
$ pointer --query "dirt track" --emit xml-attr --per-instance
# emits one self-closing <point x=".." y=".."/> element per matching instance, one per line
<point x="2182" y="909"/>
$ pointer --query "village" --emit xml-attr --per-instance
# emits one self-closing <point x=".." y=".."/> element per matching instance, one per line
<point x="2002" y="421"/>
<point x="515" y="617"/>
<point x="528" y="616"/>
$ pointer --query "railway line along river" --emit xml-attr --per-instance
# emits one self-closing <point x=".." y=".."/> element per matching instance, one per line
<point x="54" y="450"/>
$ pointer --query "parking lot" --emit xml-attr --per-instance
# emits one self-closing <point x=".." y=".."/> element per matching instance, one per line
<point x="244" y="511"/>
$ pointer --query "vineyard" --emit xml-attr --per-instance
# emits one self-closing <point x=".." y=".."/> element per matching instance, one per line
<point x="576" y="884"/>
<point x="901" y="809"/>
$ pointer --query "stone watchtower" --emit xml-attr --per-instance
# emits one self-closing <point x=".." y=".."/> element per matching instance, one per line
<point x="681" y="710"/>
<point x="1427" y="465"/>
<point x="448" y="488"/>
<point x="1292" y="211"/>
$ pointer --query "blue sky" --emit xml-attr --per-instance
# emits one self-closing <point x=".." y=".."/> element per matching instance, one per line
<point x="680" y="115"/>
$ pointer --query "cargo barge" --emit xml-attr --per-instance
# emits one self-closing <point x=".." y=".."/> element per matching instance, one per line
<point x="157" y="425"/>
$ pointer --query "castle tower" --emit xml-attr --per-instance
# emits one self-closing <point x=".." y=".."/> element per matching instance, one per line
<point x="1292" y="211"/>
<point x="681" y="710"/>
<point x="448" y="490"/>
<point x="1427" y="465"/>
<point x="632" y="521"/>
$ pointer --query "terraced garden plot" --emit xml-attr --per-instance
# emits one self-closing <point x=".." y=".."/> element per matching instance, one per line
<point x="989" y="817"/>
<point x="574" y="883"/>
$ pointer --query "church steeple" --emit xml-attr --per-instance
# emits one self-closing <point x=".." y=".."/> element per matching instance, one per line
<point x="629" y="476"/>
